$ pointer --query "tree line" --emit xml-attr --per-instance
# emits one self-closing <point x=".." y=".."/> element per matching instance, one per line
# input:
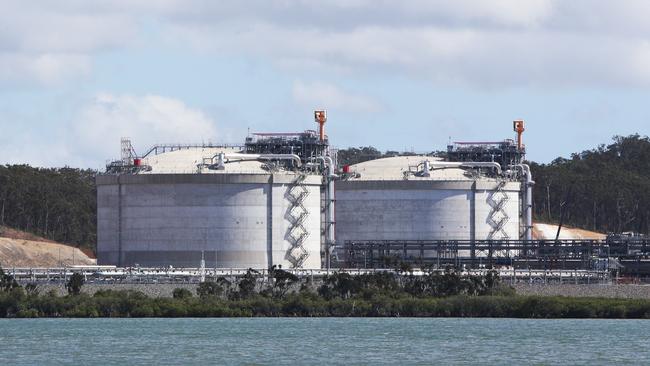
<point x="56" y="203"/>
<point x="605" y="189"/>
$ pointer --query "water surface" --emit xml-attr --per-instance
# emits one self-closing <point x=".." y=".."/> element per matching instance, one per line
<point x="320" y="341"/>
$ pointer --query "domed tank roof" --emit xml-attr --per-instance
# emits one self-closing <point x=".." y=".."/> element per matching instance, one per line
<point x="196" y="160"/>
<point x="406" y="167"/>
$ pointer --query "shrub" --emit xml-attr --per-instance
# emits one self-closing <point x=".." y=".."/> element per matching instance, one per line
<point x="74" y="284"/>
<point x="210" y="289"/>
<point x="27" y="313"/>
<point x="7" y="281"/>
<point x="181" y="293"/>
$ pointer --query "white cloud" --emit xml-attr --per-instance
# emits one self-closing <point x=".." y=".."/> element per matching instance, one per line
<point x="481" y="43"/>
<point x="48" y="42"/>
<point x="147" y="120"/>
<point x="324" y="95"/>
<point x="45" y="68"/>
<point x="504" y="43"/>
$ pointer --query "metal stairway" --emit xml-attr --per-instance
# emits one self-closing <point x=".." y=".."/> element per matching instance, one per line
<point x="297" y="214"/>
<point x="498" y="217"/>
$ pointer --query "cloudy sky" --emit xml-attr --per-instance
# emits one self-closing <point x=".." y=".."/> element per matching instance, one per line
<point x="76" y="75"/>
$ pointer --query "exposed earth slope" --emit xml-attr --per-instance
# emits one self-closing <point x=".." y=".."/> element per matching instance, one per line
<point x="19" y="249"/>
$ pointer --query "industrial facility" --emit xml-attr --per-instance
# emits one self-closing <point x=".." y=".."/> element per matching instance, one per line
<point x="273" y="199"/>
<point x="257" y="205"/>
<point x="481" y="191"/>
<point x="281" y="200"/>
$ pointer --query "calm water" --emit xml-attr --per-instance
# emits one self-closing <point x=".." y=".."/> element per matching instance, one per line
<point x="319" y="341"/>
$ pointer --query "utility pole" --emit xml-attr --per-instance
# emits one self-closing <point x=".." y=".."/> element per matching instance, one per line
<point x="202" y="270"/>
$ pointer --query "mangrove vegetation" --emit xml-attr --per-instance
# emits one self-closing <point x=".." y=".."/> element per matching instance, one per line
<point x="387" y="294"/>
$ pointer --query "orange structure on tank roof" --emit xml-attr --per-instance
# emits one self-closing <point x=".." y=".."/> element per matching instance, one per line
<point x="321" y="117"/>
<point x="518" y="126"/>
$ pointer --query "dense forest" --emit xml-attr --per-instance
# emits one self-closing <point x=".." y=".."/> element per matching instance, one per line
<point x="58" y="204"/>
<point x="606" y="189"/>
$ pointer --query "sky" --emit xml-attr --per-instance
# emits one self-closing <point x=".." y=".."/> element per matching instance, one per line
<point x="77" y="75"/>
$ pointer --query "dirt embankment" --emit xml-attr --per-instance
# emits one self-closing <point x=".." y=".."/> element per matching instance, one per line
<point x="543" y="231"/>
<point x="20" y="249"/>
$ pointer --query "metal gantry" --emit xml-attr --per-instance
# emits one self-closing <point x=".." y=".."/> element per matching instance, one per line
<point x="538" y="254"/>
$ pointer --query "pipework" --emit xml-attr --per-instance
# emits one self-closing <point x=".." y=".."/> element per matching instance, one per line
<point x="223" y="158"/>
<point x="528" y="192"/>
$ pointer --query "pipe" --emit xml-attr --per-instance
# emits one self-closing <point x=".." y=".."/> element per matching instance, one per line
<point x="221" y="161"/>
<point x="329" y="198"/>
<point x="466" y="164"/>
<point x="529" y="202"/>
<point x="525" y="170"/>
<point x="248" y="157"/>
<point x="426" y="168"/>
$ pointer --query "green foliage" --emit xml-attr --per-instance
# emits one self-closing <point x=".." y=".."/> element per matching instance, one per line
<point x="7" y="281"/>
<point x="606" y="189"/>
<point x="354" y="155"/>
<point x="247" y="284"/>
<point x="110" y="303"/>
<point x="31" y="289"/>
<point x="281" y="282"/>
<point x="58" y="203"/>
<point x="181" y="293"/>
<point x="74" y="284"/>
<point x="207" y="289"/>
<point x="451" y="283"/>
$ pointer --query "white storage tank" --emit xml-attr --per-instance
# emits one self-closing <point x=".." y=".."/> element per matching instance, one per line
<point x="232" y="210"/>
<point x="424" y="198"/>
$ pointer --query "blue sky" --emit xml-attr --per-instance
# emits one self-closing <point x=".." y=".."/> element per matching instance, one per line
<point x="75" y="76"/>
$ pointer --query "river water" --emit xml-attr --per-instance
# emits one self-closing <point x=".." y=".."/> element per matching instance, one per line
<point x="321" y="341"/>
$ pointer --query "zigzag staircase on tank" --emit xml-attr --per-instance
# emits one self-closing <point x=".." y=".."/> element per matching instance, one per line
<point x="298" y="213"/>
<point x="498" y="217"/>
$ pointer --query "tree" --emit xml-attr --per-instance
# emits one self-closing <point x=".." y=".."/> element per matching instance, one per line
<point x="7" y="281"/>
<point x="213" y="289"/>
<point x="31" y="289"/>
<point x="182" y="293"/>
<point x="75" y="283"/>
<point x="57" y="203"/>
<point x="282" y="281"/>
<point x="610" y="187"/>
<point x="248" y="283"/>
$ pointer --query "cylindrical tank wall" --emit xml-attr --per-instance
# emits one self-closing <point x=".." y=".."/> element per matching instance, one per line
<point x="234" y="221"/>
<point x="422" y="210"/>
